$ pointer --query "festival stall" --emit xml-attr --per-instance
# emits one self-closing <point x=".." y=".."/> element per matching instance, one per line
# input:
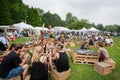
<point x="21" y="26"/>
<point x="93" y="31"/>
<point x="37" y="30"/>
<point x="83" y="30"/>
<point x="60" y="29"/>
<point x="4" y="28"/>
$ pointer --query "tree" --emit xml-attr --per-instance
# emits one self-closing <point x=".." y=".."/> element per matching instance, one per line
<point x="70" y="19"/>
<point x="111" y="28"/>
<point x="46" y="18"/>
<point x="85" y="23"/>
<point x="51" y="19"/>
<point x="100" y="27"/>
<point x="40" y="13"/>
<point x="79" y="24"/>
<point x="17" y="10"/>
<point x="75" y="25"/>
<point x="56" y="20"/>
<point x="33" y="17"/>
<point x="5" y="18"/>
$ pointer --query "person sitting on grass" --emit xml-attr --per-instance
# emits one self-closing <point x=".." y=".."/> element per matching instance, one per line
<point x="84" y="46"/>
<point x="107" y="41"/>
<point x="111" y="40"/>
<point x="91" y="41"/>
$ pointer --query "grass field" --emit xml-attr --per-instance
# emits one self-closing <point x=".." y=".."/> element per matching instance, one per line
<point x="86" y="72"/>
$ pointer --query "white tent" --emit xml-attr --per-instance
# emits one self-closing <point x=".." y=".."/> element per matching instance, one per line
<point x="92" y="29"/>
<point x="73" y="30"/>
<point x="59" y="29"/>
<point x="46" y="29"/>
<point x="5" y="26"/>
<point x="21" y="26"/>
<point x="83" y="30"/>
<point x="37" y="30"/>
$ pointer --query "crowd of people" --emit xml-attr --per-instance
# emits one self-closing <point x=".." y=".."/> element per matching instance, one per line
<point x="45" y="53"/>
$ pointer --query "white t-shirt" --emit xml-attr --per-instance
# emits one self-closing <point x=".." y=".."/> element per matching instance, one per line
<point x="107" y="40"/>
<point x="111" y="40"/>
<point x="4" y="40"/>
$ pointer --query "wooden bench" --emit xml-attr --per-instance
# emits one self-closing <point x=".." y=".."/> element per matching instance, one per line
<point x="60" y="75"/>
<point x="111" y="62"/>
<point x="108" y="44"/>
<point x="16" y="78"/>
<point x="71" y="44"/>
<point x="85" y="58"/>
<point x="103" y="68"/>
<point x="79" y="43"/>
<point x="91" y="46"/>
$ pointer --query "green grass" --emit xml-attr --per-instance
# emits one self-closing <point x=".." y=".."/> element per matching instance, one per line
<point x="20" y="40"/>
<point x="86" y="72"/>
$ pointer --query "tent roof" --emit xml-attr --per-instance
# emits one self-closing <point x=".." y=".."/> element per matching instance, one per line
<point x="22" y="25"/>
<point x="83" y="30"/>
<point x="5" y="26"/>
<point x="93" y="29"/>
<point x="40" y="28"/>
<point x="59" y="28"/>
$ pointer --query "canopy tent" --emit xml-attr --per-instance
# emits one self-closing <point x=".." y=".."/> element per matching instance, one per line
<point x="3" y="29"/>
<point x="60" y="29"/>
<point x="92" y="29"/>
<point x="21" y="26"/>
<point x="83" y="30"/>
<point x="46" y="29"/>
<point x="73" y="30"/>
<point x="5" y="26"/>
<point x="38" y="29"/>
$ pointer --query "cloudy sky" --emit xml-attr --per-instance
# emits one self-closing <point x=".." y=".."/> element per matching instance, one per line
<point x="97" y="11"/>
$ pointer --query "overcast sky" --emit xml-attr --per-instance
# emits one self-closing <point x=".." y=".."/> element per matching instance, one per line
<point x="97" y="11"/>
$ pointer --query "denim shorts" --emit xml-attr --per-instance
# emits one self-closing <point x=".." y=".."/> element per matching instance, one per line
<point x="14" y="72"/>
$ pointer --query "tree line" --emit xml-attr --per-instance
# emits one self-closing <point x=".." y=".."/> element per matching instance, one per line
<point x="15" y="11"/>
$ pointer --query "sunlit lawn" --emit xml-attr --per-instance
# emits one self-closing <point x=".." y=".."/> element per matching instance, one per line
<point x="86" y="72"/>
